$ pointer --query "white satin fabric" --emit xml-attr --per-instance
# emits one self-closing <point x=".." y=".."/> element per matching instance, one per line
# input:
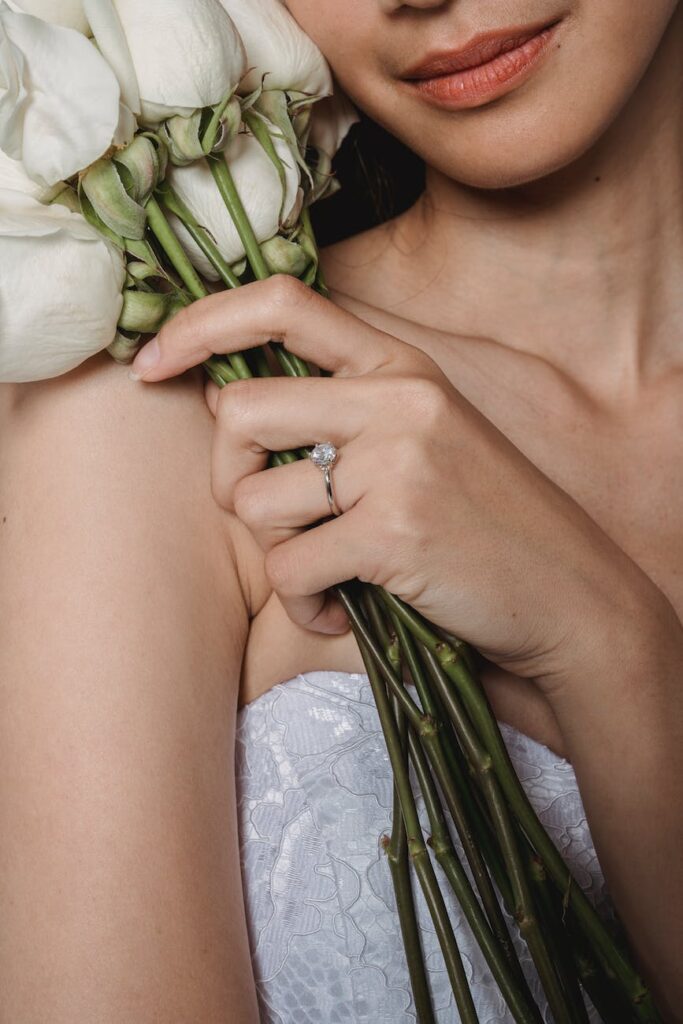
<point x="314" y="790"/>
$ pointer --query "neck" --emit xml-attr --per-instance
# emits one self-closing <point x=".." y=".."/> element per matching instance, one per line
<point x="583" y="268"/>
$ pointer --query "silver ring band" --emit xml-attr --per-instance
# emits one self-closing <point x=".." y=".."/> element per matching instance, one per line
<point x="324" y="455"/>
<point x="334" y="508"/>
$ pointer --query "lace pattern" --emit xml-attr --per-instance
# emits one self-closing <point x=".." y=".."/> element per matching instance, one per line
<point x="314" y="799"/>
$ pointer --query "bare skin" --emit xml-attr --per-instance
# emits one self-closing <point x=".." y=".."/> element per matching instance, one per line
<point x="104" y="804"/>
<point x="122" y="627"/>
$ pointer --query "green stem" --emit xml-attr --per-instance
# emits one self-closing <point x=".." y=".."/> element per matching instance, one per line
<point x="526" y="919"/>
<point x="445" y="775"/>
<point x="525" y="914"/>
<point x="319" y="282"/>
<point x="228" y="190"/>
<point x="523" y="1011"/>
<point x="399" y="865"/>
<point x="226" y="186"/>
<point x="417" y="848"/>
<point x="174" y="204"/>
<point x="477" y="705"/>
<point x="560" y="949"/>
<point x="165" y="236"/>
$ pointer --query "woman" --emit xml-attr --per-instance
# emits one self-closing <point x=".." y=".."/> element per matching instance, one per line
<point x="505" y="398"/>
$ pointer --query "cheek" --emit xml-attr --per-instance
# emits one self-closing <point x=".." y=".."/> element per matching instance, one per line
<point x="345" y="31"/>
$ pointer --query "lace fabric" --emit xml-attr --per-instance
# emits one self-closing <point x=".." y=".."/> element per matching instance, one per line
<point x="314" y="789"/>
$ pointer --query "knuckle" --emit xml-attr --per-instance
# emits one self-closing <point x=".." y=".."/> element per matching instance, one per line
<point x="425" y="398"/>
<point x="236" y="404"/>
<point x="285" y="291"/>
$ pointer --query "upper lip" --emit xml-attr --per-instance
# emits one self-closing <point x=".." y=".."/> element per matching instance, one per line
<point x="482" y="47"/>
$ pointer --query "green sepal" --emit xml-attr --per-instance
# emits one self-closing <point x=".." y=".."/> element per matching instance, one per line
<point x="146" y="312"/>
<point x="247" y="102"/>
<point x="273" y="104"/>
<point x="96" y="221"/>
<point x="102" y="184"/>
<point x="223" y="125"/>
<point x="124" y="348"/>
<point x="284" y="256"/>
<point x="141" y="161"/>
<point x="144" y="253"/>
<point x="139" y="271"/>
<point x="68" y="197"/>
<point x="258" y="127"/>
<point x="182" y="137"/>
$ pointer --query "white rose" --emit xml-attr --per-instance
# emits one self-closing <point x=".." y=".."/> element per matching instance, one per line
<point x="60" y="289"/>
<point x="14" y="177"/>
<point x="330" y="122"/>
<point x="59" y="99"/>
<point x="278" y="48"/>
<point x="259" y="187"/>
<point x="59" y="12"/>
<point x="175" y="56"/>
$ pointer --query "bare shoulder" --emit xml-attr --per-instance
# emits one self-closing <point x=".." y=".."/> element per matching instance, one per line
<point x="123" y="625"/>
<point x="116" y="473"/>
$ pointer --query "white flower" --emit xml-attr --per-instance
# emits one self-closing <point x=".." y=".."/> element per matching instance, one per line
<point x="59" y="99"/>
<point x="171" y="56"/>
<point x="60" y="289"/>
<point x="60" y="12"/>
<point x="259" y="187"/>
<point x="14" y="177"/>
<point x="278" y="48"/>
<point x="331" y="120"/>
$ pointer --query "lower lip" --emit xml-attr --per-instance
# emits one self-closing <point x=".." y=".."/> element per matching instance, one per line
<point x="474" y="86"/>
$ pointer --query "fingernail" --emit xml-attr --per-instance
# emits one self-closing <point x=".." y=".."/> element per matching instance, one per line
<point x="148" y="357"/>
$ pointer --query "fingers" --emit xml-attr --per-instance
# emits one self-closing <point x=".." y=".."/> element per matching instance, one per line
<point x="277" y="503"/>
<point x="302" y="569"/>
<point x="280" y="308"/>
<point x="254" y="417"/>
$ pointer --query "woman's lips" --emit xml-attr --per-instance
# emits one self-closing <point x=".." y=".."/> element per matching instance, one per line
<point x="472" y="86"/>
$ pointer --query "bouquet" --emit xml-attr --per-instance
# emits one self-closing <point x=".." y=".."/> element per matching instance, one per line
<point x="182" y="153"/>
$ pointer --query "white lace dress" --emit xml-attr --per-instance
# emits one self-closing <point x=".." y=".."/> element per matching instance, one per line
<point x="315" y="796"/>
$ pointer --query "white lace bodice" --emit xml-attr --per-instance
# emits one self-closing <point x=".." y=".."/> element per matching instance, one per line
<point x="314" y="796"/>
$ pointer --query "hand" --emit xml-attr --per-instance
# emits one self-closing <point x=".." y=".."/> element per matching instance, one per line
<point x="439" y="507"/>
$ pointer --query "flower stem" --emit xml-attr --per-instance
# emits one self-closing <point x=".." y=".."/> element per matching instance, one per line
<point x="228" y="190"/>
<point x="478" y="707"/>
<point x="558" y="940"/>
<point x="174" y="204"/>
<point x="166" y="237"/>
<point x="463" y="810"/>
<point x="523" y="1011"/>
<point x="524" y="910"/>
<point x="417" y="848"/>
<point x="226" y="186"/>
<point x="399" y="864"/>
<point x="217" y="369"/>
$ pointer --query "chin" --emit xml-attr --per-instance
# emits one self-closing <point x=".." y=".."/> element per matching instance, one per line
<point x="508" y="151"/>
<point x="503" y="169"/>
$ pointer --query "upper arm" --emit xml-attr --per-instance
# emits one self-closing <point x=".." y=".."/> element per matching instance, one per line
<point x="122" y="629"/>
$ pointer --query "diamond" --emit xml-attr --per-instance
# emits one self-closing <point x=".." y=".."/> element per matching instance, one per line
<point x="324" y="454"/>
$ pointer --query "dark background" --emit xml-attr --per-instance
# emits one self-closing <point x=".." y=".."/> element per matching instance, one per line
<point x="379" y="177"/>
